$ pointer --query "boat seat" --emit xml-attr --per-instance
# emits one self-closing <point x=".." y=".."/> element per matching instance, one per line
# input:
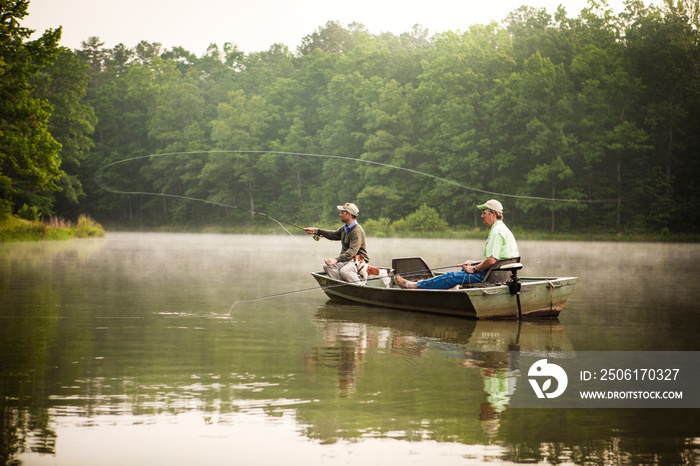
<point x="496" y="275"/>
<point x="411" y="268"/>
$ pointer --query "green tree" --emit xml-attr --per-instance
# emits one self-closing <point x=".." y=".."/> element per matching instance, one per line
<point x="532" y="112"/>
<point x="611" y="143"/>
<point x="543" y="107"/>
<point x="390" y="121"/>
<point x="424" y="219"/>
<point x="332" y="38"/>
<point x="458" y="81"/>
<point x="124" y="102"/>
<point x="72" y="122"/>
<point x="241" y="126"/>
<point x="664" y="49"/>
<point x="175" y="125"/>
<point x="29" y="155"/>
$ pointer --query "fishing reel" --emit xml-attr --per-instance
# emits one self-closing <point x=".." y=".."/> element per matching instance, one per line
<point x="317" y="237"/>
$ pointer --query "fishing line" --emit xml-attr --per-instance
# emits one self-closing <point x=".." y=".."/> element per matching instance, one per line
<point x="287" y="293"/>
<point x="279" y="222"/>
<point x="103" y="185"/>
<point x="98" y="174"/>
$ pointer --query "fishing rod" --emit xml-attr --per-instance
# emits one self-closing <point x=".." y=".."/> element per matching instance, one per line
<point x="277" y="219"/>
<point x="316" y="236"/>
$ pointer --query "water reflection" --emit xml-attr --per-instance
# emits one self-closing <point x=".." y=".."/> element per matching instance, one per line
<point x="123" y="335"/>
<point x="404" y="376"/>
<point x="355" y="334"/>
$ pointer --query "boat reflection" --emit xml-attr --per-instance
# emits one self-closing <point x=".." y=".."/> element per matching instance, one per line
<point x="353" y="334"/>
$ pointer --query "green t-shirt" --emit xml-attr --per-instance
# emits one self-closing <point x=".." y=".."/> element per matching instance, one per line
<point x="501" y="243"/>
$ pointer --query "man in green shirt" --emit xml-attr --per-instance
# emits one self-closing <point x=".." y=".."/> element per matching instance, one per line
<point x="500" y="245"/>
<point x="352" y="242"/>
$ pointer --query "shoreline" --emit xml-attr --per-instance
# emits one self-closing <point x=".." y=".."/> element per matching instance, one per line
<point x="14" y="229"/>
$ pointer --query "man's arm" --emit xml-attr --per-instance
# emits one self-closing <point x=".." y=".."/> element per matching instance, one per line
<point x="328" y="234"/>
<point x="478" y="266"/>
<point x="485" y="264"/>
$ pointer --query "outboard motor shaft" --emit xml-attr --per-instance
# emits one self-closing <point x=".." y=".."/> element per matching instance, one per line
<point x="514" y="283"/>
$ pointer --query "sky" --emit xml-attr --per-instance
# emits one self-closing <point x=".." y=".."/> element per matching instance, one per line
<point x="255" y="25"/>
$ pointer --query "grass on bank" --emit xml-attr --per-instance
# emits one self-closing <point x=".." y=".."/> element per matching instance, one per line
<point x="17" y="229"/>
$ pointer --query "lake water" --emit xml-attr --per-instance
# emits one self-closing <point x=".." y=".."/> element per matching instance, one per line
<point x="181" y="349"/>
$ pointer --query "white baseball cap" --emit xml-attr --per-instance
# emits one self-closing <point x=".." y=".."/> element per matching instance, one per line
<point x="349" y="207"/>
<point x="492" y="204"/>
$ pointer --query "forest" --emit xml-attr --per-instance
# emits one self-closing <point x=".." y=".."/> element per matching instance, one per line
<point x="575" y="123"/>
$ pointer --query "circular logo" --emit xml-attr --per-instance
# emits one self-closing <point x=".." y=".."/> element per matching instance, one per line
<point x="546" y="372"/>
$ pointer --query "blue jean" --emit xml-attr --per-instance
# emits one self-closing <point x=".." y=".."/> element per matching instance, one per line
<point x="450" y="279"/>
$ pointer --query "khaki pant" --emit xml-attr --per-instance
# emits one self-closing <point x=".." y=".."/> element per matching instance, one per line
<point x="345" y="271"/>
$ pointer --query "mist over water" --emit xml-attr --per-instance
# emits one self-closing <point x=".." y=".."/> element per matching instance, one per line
<point x="121" y="351"/>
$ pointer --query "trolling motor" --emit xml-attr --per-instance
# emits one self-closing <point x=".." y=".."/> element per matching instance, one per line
<point x="514" y="283"/>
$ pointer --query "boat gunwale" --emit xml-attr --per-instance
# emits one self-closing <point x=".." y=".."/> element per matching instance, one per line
<point x="462" y="289"/>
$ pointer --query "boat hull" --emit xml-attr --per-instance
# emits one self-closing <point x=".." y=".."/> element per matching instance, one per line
<point x="539" y="297"/>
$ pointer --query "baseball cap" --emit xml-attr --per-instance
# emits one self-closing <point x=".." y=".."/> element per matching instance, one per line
<point x="349" y="207"/>
<point x="492" y="204"/>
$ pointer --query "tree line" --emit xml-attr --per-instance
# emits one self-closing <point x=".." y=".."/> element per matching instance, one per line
<point x="586" y="123"/>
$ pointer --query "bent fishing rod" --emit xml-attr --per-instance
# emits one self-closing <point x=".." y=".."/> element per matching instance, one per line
<point x="316" y="236"/>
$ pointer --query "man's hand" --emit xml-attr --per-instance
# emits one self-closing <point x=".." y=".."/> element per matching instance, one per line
<point x="330" y="261"/>
<point x="470" y="264"/>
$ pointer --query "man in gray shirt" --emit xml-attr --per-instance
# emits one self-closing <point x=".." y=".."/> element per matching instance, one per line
<point x="352" y="241"/>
